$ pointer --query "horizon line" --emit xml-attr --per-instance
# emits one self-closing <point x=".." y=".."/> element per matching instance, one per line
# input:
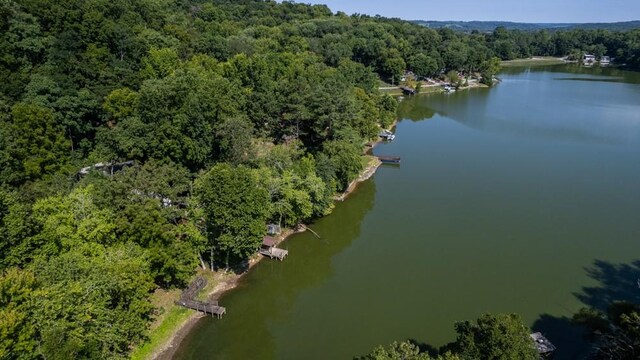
<point x="526" y="22"/>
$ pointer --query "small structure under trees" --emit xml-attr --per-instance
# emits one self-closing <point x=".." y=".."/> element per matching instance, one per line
<point x="106" y="168"/>
<point x="273" y="229"/>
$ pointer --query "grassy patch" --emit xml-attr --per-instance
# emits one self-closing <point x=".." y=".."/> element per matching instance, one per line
<point x="385" y="84"/>
<point x="430" y="89"/>
<point x="392" y="92"/>
<point x="171" y="317"/>
<point x="370" y="161"/>
<point x="213" y="279"/>
<point x="172" y="320"/>
<point x="546" y="60"/>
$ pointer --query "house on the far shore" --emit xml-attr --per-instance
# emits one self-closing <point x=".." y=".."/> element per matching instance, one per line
<point x="605" y="60"/>
<point x="588" y="59"/>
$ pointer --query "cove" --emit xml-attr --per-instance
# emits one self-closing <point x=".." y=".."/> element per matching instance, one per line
<point x="521" y="198"/>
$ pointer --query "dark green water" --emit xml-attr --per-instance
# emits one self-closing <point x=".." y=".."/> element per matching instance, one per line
<point x="522" y="198"/>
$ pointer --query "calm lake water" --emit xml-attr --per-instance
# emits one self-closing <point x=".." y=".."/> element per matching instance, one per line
<point x="522" y="198"/>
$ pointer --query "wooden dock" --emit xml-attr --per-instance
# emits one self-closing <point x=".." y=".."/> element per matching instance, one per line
<point x="274" y="253"/>
<point x="187" y="300"/>
<point x="269" y="249"/>
<point x="204" y="307"/>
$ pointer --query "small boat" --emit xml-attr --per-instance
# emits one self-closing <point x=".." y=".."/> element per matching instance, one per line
<point x="387" y="135"/>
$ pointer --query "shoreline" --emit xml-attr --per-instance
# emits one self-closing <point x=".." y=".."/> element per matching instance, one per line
<point x="431" y="88"/>
<point x="534" y="61"/>
<point x="168" y="349"/>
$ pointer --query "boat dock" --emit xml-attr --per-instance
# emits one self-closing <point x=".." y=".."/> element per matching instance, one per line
<point x="204" y="307"/>
<point x="186" y="300"/>
<point x="407" y="90"/>
<point x="269" y="249"/>
<point x="275" y="253"/>
<point x="389" y="159"/>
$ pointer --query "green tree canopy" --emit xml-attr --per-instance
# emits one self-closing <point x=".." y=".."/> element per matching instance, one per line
<point x="494" y="337"/>
<point x="34" y="145"/>
<point x="235" y="207"/>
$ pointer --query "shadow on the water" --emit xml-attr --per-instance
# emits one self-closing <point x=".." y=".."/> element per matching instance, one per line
<point x="592" y="79"/>
<point x="616" y="283"/>
<point x="499" y="110"/>
<point x="424" y="347"/>
<point x="266" y="294"/>
<point x="415" y="109"/>
<point x="567" y="337"/>
<point x="621" y="74"/>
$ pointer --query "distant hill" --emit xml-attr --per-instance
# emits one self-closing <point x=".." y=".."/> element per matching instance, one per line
<point x="486" y="26"/>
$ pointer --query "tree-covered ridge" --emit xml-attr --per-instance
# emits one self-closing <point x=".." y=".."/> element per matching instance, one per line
<point x="512" y="44"/>
<point x="234" y="113"/>
<point x="489" y="26"/>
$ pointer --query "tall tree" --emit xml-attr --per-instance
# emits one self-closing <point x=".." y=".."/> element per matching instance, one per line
<point x="235" y="208"/>
<point x="34" y="145"/>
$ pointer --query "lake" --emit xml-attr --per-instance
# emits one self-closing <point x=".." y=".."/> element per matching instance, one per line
<point x="522" y="198"/>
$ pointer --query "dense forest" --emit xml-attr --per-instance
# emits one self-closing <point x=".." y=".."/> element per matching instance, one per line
<point x="195" y="123"/>
<point x="624" y="46"/>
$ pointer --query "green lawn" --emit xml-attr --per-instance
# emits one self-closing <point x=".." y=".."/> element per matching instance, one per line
<point x="172" y="317"/>
<point x="173" y="320"/>
<point x="392" y="92"/>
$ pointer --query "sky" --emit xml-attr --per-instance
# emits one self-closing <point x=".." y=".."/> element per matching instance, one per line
<point x="538" y="11"/>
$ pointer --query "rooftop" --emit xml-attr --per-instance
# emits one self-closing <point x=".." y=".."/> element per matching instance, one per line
<point x="269" y="241"/>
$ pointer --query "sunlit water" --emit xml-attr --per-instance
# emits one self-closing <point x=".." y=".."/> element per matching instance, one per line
<point x="522" y="198"/>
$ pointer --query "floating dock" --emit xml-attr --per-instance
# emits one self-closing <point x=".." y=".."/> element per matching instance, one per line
<point x="389" y="159"/>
